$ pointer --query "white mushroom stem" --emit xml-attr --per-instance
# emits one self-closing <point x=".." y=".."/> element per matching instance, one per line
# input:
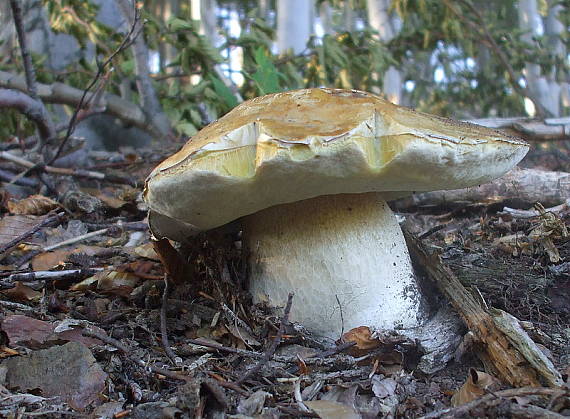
<point x="344" y="257"/>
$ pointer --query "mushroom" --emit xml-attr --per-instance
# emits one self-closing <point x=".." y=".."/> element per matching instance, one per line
<point x="310" y="172"/>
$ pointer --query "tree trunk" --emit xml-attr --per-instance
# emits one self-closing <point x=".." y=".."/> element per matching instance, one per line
<point x="204" y="11"/>
<point x="387" y="25"/>
<point x="544" y="87"/>
<point x="325" y="15"/>
<point x="147" y="93"/>
<point x="294" y="25"/>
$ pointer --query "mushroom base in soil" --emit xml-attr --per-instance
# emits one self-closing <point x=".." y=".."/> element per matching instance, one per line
<point x="345" y="258"/>
<point x="267" y="162"/>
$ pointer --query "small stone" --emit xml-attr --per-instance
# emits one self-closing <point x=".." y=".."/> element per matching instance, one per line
<point x="69" y="371"/>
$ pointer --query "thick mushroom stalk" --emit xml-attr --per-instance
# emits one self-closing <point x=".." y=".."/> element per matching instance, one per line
<point x="344" y="257"/>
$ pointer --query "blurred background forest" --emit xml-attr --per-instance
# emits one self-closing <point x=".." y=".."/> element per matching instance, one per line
<point x="195" y="60"/>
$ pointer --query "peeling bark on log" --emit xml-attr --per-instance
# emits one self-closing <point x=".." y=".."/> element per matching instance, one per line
<point x="526" y="186"/>
<point x="512" y="356"/>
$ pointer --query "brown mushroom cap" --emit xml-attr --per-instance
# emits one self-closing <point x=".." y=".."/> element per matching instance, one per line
<point x="291" y="146"/>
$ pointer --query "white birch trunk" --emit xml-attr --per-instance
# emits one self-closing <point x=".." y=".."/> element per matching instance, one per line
<point x="294" y="25"/>
<point x="544" y="87"/>
<point x="387" y="25"/>
<point x="205" y="12"/>
<point x="325" y="15"/>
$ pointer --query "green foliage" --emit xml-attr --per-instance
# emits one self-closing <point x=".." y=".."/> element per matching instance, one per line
<point x="224" y="92"/>
<point x="443" y="37"/>
<point x="266" y="77"/>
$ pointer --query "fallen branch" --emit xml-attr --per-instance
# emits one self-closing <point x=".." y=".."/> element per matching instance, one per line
<point x="507" y="350"/>
<point x="531" y="213"/>
<point x="548" y="129"/>
<point x="53" y="275"/>
<point x="525" y="186"/>
<point x="494" y="399"/>
<point x="16" y="306"/>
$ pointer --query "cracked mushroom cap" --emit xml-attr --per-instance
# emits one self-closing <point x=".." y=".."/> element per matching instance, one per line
<point x="291" y="146"/>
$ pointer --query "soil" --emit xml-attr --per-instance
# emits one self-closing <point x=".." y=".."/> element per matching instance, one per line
<point x="207" y="304"/>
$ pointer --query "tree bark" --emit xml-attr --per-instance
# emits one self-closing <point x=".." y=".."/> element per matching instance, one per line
<point x="526" y="186"/>
<point x="294" y="25"/>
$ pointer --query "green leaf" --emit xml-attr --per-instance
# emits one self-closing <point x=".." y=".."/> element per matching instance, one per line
<point x="187" y="128"/>
<point x="176" y="24"/>
<point x="266" y="77"/>
<point x="224" y="92"/>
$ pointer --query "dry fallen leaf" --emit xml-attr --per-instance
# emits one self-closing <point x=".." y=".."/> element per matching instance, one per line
<point x="12" y="226"/>
<point x="32" y="205"/>
<point x="38" y="333"/>
<point x="48" y="260"/>
<point x="476" y="385"/>
<point x="117" y="283"/>
<point x="328" y="409"/>
<point x="23" y="293"/>
<point x="365" y="342"/>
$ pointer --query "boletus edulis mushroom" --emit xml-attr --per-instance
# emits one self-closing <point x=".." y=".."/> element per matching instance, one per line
<point x="308" y="172"/>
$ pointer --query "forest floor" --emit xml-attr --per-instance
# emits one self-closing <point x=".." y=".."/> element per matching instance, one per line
<point x="90" y="343"/>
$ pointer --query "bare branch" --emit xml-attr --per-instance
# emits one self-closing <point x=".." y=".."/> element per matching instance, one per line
<point x="60" y="93"/>
<point x="32" y="108"/>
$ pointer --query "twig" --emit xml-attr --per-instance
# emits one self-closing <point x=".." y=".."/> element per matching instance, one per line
<point x="273" y="347"/>
<point x="298" y="396"/>
<point x="64" y="171"/>
<point x="48" y="221"/>
<point x="114" y="342"/>
<point x="227" y="349"/>
<point x="230" y="315"/>
<point x="53" y="275"/>
<point x="493" y="399"/>
<point x="163" y="329"/>
<point x="228" y="384"/>
<point x="26" y="258"/>
<point x="16" y="7"/>
<point x="126" y="42"/>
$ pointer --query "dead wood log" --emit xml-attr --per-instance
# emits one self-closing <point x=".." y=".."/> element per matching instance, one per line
<point x="525" y="186"/>
<point x="549" y="129"/>
<point x="507" y="350"/>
